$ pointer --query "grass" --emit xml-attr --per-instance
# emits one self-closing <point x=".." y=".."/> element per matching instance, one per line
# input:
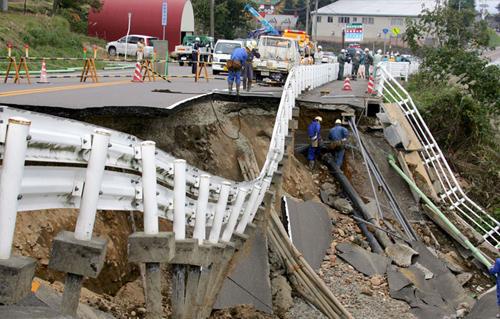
<point x="47" y="37"/>
<point x="494" y="39"/>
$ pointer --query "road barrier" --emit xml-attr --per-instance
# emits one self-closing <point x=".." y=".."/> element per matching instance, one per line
<point x="76" y="165"/>
<point x="467" y="211"/>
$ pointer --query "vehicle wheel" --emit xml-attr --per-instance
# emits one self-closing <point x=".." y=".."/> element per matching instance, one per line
<point x="181" y="63"/>
<point x="112" y="51"/>
<point x="215" y="72"/>
<point x="189" y="63"/>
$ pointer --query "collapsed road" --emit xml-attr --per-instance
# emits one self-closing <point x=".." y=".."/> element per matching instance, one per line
<point x="412" y="261"/>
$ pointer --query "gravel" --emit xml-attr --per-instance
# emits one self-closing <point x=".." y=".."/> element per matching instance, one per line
<point x="302" y="310"/>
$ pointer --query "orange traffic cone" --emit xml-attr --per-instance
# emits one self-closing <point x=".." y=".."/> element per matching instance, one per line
<point x="43" y="74"/>
<point x="137" y="73"/>
<point x="371" y="85"/>
<point x="347" y="85"/>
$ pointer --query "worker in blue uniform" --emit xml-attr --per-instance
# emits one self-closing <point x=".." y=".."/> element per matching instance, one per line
<point x="338" y="135"/>
<point x="234" y="65"/>
<point x="314" y="133"/>
<point x="495" y="270"/>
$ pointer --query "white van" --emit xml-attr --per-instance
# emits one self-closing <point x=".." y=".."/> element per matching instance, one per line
<point x="222" y="53"/>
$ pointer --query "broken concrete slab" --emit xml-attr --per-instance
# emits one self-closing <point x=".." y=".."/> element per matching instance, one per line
<point x="342" y="205"/>
<point x="400" y="254"/>
<point x="464" y="278"/>
<point x="451" y="290"/>
<point x="310" y="229"/>
<point x="485" y="307"/>
<point x="396" y="136"/>
<point x="428" y="260"/>
<point x="452" y="261"/>
<point x="362" y="260"/>
<point x="423" y="311"/>
<point x="327" y="193"/>
<point x="396" y="279"/>
<point x="250" y="278"/>
<point x="427" y="273"/>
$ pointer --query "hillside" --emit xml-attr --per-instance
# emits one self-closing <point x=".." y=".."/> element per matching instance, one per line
<point x="47" y="37"/>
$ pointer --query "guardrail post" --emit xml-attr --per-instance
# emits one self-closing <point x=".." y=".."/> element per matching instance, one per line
<point x="201" y="209"/>
<point x="79" y="254"/>
<point x="151" y="247"/>
<point x="252" y="202"/>
<point x="180" y="199"/>
<point x="16" y="272"/>
<point x="219" y="213"/>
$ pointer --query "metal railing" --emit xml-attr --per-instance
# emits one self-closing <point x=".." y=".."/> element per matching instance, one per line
<point x="70" y="164"/>
<point x="451" y="193"/>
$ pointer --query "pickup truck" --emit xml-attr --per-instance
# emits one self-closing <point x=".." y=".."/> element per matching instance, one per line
<point x="183" y="52"/>
<point x="278" y="55"/>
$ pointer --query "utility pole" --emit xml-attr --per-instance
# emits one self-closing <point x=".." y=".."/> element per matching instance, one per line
<point x="212" y="18"/>
<point x="308" y="13"/>
<point x="5" y="5"/>
<point x="316" y="22"/>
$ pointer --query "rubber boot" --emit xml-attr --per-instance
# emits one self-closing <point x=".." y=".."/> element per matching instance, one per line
<point x="237" y="89"/>
<point x="249" y="85"/>
<point x="230" y="87"/>
<point x="244" y="84"/>
<point x="311" y="165"/>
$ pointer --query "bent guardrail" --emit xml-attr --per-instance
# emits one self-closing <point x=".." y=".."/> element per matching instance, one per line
<point x="452" y="193"/>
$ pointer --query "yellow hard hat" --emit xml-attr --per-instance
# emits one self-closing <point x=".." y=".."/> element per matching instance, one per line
<point x="338" y="121"/>
<point x="318" y="118"/>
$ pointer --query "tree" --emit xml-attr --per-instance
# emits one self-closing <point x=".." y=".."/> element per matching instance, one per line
<point x="231" y="20"/>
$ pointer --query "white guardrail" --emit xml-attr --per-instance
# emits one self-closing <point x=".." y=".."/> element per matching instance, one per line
<point x="452" y="194"/>
<point x="70" y="164"/>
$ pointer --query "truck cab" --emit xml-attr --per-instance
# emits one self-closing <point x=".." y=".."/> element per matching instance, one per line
<point x="183" y="52"/>
<point x="278" y="55"/>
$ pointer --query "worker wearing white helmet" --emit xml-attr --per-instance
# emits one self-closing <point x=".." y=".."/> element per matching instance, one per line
<point x="376" y="60"/>
<point x="251" y="47"/>
<point x="314" y="133"/>
<point x="338" y="136"/>
<point x="318" y="55"/>
<point x="195" y="55"/>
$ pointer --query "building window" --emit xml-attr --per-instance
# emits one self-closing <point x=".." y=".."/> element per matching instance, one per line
<point x="344" y="20"/>
<point x="397" y="21"/>
<point x="318" y="19"/>
<point x="330" y="19"/>
<point x="368" y="20"/>
<point x="354" y="19"/>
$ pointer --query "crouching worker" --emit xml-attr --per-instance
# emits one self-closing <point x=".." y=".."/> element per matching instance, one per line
<point x="234" y="65"/>
<point x="314" y="133"/>
<point x="495" y="271"/>
<point x="338" y="135"/>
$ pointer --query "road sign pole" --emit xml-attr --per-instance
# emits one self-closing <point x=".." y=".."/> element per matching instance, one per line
<point x="166" y="63"/>
<point x="128" y="32"/>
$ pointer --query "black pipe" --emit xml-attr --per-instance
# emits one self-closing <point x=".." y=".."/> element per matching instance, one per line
<point x="376" y="248"/>
<point x="358" y="203"/>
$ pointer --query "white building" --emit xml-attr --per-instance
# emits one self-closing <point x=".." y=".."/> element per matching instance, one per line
<point x="374" y="15"/>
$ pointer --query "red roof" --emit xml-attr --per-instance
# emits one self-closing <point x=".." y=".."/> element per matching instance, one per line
<point x="111" y="21"/>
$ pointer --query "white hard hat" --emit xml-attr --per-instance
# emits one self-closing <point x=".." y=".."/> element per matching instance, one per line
<point x="366" y="49"/>
<point x="197" y="39"/>
<point x="254" y="43"/>
<point x="338" y="121"/>
<point x="379" y="51"/>
<point x="320" y="47"/>
<point x="318" y="118"/>
<point x="358" y="52"/>
<point x="249" y="45"/>
<point x="343" y="50"/>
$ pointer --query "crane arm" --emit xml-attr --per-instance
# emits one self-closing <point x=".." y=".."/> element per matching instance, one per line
<point x="269" y="28"/>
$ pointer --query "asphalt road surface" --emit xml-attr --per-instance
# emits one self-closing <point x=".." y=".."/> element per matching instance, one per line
<point x="70" y="93"/>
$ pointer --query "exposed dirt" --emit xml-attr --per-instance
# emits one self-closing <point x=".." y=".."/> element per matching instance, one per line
<point x="208" y="135"/>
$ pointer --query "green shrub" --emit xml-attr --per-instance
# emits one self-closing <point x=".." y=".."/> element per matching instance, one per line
<point x="55" y="33"/>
